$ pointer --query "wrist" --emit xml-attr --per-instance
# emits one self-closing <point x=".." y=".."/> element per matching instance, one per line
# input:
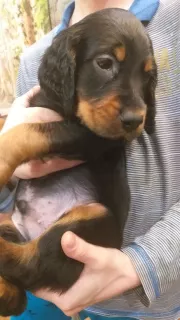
<point x="127" y="272"/>
<point x="130" y="273"/>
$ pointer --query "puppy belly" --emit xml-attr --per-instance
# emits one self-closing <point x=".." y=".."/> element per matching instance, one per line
<point x="40" y="202"/>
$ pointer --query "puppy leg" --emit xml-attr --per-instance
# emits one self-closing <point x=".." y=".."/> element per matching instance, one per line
<point x="9" y="232"/>
<point x="42" y="263"/>
<point x="29" y="141"/>
<point x="12" y="299"/>
<point x="12" y="295"/>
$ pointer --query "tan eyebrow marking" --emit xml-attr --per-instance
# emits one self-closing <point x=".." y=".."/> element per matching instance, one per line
<point x="120" y="53"/>
<point x="148" y="65"/>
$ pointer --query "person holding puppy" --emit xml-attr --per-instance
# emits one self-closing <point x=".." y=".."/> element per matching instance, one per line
<point x="141" y="281"/>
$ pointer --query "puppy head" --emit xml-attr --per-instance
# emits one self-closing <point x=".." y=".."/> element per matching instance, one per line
<point x="102" y="71"/>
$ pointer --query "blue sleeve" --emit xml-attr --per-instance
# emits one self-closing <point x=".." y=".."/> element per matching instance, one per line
<point x="7" y="200"/>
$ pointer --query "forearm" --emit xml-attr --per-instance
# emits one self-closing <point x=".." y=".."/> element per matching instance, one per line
<point x="156" y="256"/>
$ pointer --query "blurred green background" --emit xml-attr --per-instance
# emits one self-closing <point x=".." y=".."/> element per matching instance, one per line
<point x="22" y="22"/>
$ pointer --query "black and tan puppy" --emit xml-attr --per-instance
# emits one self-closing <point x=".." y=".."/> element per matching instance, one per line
<point x="100" y="75"/>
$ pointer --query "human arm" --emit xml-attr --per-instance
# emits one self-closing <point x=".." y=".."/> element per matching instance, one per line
<point x="156" y="256"/>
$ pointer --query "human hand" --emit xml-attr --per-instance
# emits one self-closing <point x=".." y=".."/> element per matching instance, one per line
<point x="21" y="112"/>
<point x="107" y="273"/>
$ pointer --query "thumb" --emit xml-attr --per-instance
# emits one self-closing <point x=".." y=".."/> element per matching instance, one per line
<point x="24" y="101"/>
<point x="78" y="249"/>
<point x="30" y="95"/>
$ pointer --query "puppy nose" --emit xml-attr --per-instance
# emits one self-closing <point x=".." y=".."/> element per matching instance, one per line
<point x="131" y="120"/>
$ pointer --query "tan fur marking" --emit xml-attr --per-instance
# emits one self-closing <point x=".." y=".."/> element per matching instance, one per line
<point x="83" y="213"/>
<point x="6" y="288"/>
<point x="18" y="252"/>
<point x="102" y="116"/>
<point x="9" y="293"/>
<point x="4" y="217"/>
<point x="8" y="222"/>
<point x="30" y="250"/>
<point x="8" y="249"/>
<point x="120" y="53"/>
<point x="148" y="65"/>
<point x="2" y="121"/>
<point x="19" y="144"/>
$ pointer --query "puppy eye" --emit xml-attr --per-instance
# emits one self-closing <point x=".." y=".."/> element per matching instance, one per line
<point x="106" y="67"/>
<point x="105" y="63"/>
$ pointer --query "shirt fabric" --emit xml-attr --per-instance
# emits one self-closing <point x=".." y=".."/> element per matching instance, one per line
<point x="6" y="200"/>
<point x="151" y="236"/>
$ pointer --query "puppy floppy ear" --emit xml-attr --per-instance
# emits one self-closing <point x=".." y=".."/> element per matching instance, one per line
<point x="150" y="99"/>
<point x="57" y="72"/>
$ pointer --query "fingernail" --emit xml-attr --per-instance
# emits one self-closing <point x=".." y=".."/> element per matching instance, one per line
<point x="70" y="240"/>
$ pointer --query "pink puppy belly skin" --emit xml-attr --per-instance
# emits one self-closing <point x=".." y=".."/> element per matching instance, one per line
<point x="40" y="202"/>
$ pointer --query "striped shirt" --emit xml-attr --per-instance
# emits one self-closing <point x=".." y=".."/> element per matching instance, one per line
<point x="152" y="232"/>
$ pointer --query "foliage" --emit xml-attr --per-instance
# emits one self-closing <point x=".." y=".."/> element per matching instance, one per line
<point x="11" y="46"/>
<point x="41" y="15"/>
<point x="13" y="39"/>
